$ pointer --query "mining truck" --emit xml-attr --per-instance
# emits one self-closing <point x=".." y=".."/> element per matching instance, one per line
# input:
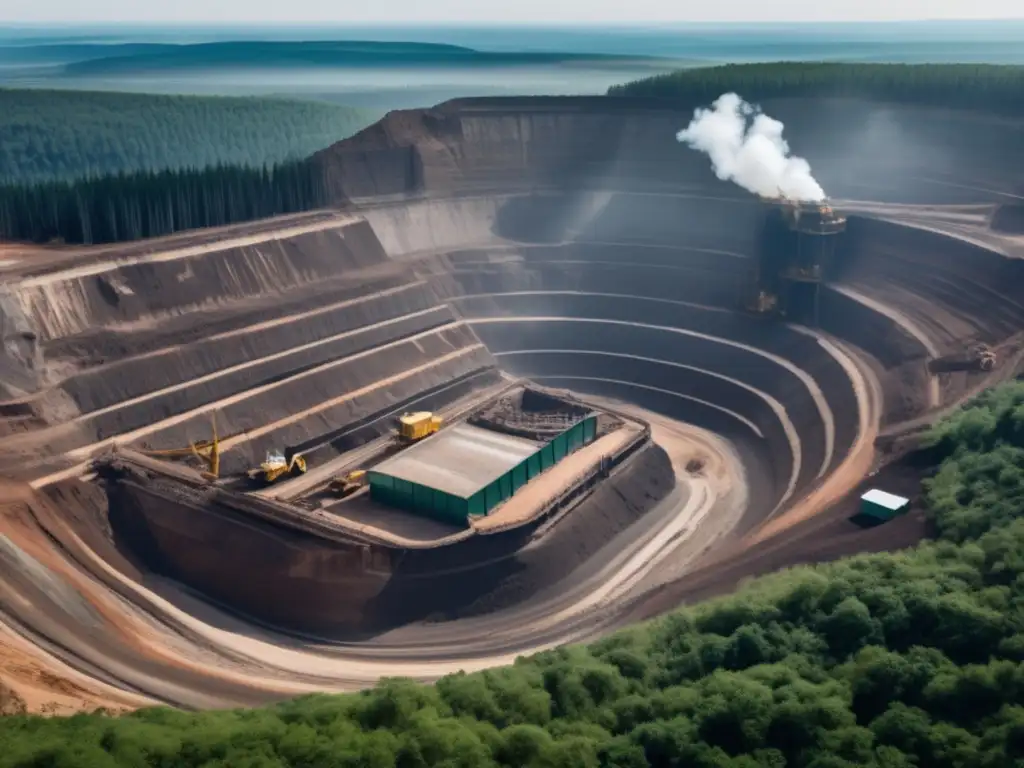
<point x="980" y="357"/>
<point x="416" y="426"/>
<point x="275" y="467"/>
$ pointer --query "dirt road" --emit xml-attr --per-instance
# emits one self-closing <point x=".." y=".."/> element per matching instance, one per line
<point x="858" y="460"/>
<point x="98" y="267"/>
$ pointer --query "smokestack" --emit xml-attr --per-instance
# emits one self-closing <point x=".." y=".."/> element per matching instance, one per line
<point x="746" y="147"/>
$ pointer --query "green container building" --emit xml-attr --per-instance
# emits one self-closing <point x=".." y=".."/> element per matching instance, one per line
<point x="879" y="506"/>
<point x="467" y="470"/>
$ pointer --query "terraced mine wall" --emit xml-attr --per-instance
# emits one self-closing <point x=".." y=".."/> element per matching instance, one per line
<point x="638" y="302"/>
<point x="189" y="277"/>
<point x="587" y="248"/>
<point x="1009" y="218"/>
<point x="952" y="288"/>
<point x="634" y="309"/>
<point x="858" y="149"/>
<point x="569" y="240"/>
<point x="306" y="341"/>
<point x="282" y="341"/>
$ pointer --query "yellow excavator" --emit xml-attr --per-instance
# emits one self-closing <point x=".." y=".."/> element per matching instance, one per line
<point x="207" y="451"/>
<point x="348" y="484"/>
<point x="275" y="467"/>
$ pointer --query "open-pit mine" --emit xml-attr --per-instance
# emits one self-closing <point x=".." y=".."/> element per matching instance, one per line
<point x="537" y="373"/>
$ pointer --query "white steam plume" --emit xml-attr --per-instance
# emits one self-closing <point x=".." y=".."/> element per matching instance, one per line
<point x="746" y="147"/>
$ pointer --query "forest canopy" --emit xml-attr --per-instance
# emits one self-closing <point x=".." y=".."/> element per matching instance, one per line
<point x="47" y="135"/>
<point x="997" y="88"/>
<point x="913" y="659"/>
<point x="128" y="207"/>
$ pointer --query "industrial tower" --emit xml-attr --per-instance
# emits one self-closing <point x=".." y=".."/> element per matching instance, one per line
<point x="795" y="259"/>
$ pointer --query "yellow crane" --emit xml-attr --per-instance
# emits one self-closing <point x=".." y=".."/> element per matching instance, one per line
<point x="207" y="451"/>
<point x="275" y="467"/>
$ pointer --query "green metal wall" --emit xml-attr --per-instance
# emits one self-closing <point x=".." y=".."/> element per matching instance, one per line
<point x="879" y="511"/>
<point x="414" y="497"/>
<point x="454" y="510"/>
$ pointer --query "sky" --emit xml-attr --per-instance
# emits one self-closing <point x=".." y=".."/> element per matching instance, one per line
<point x="485" y="12"/>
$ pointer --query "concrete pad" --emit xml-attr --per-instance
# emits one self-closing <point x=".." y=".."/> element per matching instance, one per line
<point x="532" y="498"/>
<point x="459" y="460"/>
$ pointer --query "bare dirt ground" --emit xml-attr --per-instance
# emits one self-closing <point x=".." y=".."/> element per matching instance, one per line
<point x="42" y="684"/>
<point x="823" y="537"/>
<point x="720" y="467"/>
<point x="40" y="681"/>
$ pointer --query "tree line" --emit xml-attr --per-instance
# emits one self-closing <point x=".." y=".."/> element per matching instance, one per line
<point x="901" y="660"/>
<point x="995" y="88"/>
<point x="150" y="204"/>
<point x="149" y="164"/>
<point x="48" y="135"/>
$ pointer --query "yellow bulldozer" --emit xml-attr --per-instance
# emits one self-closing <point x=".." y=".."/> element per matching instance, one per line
<point x="416" y="426"/>
<point x="275" y="467"/>
<point x="348" y="484"/>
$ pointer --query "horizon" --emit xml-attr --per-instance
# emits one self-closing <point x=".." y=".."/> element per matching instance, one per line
<point x="652" y="24"/>
<point x="526" y="13"/>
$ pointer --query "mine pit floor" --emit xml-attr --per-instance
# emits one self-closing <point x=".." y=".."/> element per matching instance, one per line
<point x="308" y="499"/>
<point x="400" y="528"/>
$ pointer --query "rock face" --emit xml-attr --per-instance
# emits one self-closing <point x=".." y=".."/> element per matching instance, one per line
<point x="856" y="149"/>
<point x="1009" y="218"/>
<point x="573" y="241"/>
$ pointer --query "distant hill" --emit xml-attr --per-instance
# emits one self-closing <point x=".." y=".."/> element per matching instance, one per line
<point x="995" y="88"/>
<point x="111" y="59"/>
<point x="70" y="134"/>
<point x="58" y="53"/>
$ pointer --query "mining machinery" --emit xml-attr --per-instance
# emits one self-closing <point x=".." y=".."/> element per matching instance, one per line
<point x="275" y="467"/>
<point x="207" y="451"/>
<point x="763" y="304"/>
<point x="979" y="357"/>
<point x="348" y="484"/>
<point x="808" y="216"/>
<point x="797" y="254"/>
<point x="413" y="427"/>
